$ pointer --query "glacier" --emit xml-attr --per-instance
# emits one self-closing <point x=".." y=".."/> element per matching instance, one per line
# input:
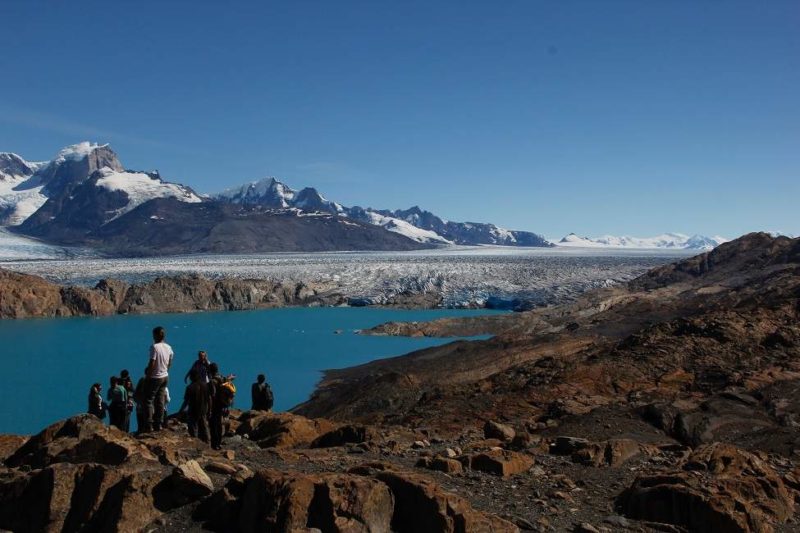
<point x="464" y="276"/>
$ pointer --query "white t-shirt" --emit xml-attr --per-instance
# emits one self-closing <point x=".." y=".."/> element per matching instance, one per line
<point x="161" y="354"/>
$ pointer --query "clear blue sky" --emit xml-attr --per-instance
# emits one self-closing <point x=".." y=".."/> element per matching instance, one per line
<point x="596" y="117"/>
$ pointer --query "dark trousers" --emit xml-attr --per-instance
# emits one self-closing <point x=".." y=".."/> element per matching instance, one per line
<point x="140" y="418"/>
<point x="198" y="426"/>
<point x="215" y="424"/>
<point x="117" y="413"/>
<point x="154" y="403"/>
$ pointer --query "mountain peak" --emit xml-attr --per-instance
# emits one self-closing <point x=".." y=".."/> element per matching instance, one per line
<point x="77" y="152"/>
<point x="266" y="192"/>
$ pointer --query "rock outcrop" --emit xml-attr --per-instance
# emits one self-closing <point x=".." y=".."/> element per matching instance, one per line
<point x="718" y="488"/>
<point x="25" y="296"/>
<point x="79" y="475"/>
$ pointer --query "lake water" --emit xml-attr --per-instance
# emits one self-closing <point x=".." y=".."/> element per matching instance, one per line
<point x="48" y="365"/>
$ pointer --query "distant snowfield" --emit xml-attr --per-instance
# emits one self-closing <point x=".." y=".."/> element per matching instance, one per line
<point x="665" y="241"/>
<point x="466" y="276"/>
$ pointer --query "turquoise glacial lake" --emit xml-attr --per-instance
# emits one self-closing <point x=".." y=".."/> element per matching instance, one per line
<point x="48" y="365"/>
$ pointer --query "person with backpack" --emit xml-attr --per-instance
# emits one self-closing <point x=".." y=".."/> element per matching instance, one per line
<point x="261" y="394"/>
<point x="161" y="356"/>
<point x="118" y="403"/>
<point x="222" y="392"/>
<point x="97" y="406"/>
<point x="197" y="402"/>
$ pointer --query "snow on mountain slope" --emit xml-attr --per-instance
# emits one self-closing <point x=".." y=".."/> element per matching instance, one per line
<point x="20" y="193"/>
<point x="267" y="192"/>
<point x="403" y="228"/>
<point x="673" y="241"/>
<point x="15" y="168"/>
<point x="141" y="187"/>
<point x="77" y="152"/>
<point x="309" y="199"/>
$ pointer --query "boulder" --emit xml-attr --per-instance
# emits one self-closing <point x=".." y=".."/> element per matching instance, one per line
<point x="80" y="439"/>
<point x="501" y="462"/>
<point x="10" y="444"/>
<point x="187" y="483"/>
<point x="564" y="445"/>
<point x="275" y="501"/>
<point x="80" y="497"/>
<point x="281" y="430"/>
<point x="349" y="434"/>
<point x="441" y="464"/>
<point x="613" y="452"/>
<point x="496" y="430"/>
<point x="422" y="505"/>
<point x="219" y="467"/>
<point x="719" y="488"/>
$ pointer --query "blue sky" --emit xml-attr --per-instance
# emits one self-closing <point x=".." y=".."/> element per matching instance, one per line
<point x="594" y="117"/>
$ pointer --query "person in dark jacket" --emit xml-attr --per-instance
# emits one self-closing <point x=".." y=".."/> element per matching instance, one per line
<point x="139" y="398"/>
<point x="117" y="403"/>
<point x="197" y="400"/>
<point x="200" y="365"/>
<point x="127" y="382"/>
<point x="97" y="406"/>
<point x="261" y="394"/>
<point x="221" y="391"/>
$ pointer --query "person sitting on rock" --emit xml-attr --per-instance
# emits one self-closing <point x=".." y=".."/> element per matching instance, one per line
<point x="201" y="366"/>
<point x="118" y="403"/>
<point x="97" y="406"/>
<point x="161" y="356"/>
<point x="261" y="394"/>
<point x="197" y="402"/>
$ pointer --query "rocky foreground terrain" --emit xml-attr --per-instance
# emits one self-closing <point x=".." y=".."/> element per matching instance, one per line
<point x="668" y="404"/>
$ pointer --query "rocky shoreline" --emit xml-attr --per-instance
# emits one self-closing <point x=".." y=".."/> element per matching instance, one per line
<point x="27" y="296"/>
<point x="668" y="404"/>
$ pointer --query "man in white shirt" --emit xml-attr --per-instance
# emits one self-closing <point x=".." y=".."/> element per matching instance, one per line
<point x="157" y="376"/>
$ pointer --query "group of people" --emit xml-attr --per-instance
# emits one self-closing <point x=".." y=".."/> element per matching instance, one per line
<point x="206" y="400"/>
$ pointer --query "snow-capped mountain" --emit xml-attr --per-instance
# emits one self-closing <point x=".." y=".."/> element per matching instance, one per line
<point x="85" y="197"/>
<point x="395" y="225"/>
<point x="83" y="187"/>
<point x="267" y="192"/>
<point x="140" y="187"/>
<point x="20" y="195"/>
<point x="414" y="223"/>
<point x="670" y="241"/>
<point x="271" y="193"/>
<point x="467" y="233"/>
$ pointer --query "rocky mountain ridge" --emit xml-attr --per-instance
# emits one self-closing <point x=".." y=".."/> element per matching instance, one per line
<point x="414" y="223"/>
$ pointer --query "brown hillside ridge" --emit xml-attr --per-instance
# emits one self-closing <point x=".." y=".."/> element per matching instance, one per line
<point x="670" y="404"/>
<point x="26" y="296"/>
